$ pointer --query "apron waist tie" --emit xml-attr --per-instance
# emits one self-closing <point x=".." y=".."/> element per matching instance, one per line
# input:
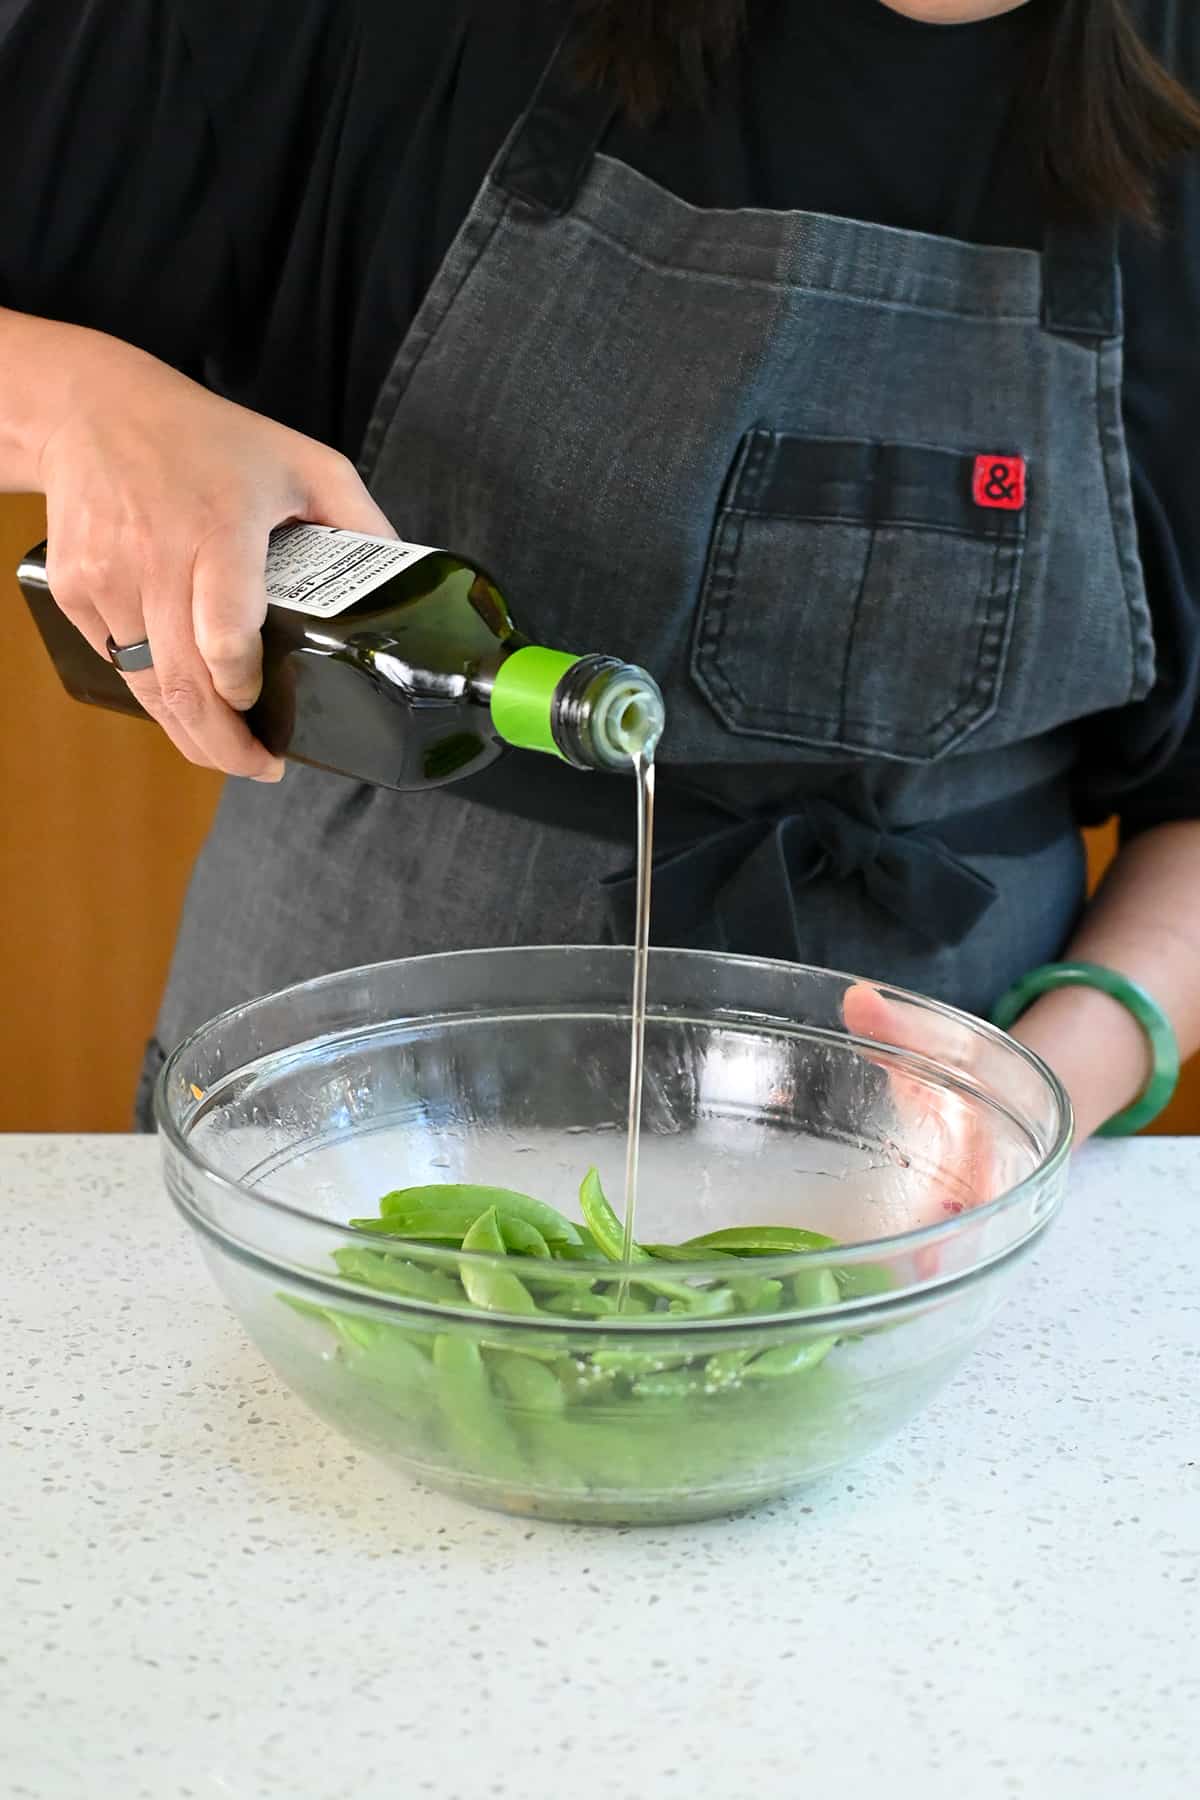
<point x="741" y="882"/>
<point x="727" y="878"/>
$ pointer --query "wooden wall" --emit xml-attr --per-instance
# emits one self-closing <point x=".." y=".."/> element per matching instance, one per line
<point x="101" y="822"/>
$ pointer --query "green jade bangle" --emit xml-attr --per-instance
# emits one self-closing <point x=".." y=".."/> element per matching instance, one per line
<point x="1164" y="1045"/>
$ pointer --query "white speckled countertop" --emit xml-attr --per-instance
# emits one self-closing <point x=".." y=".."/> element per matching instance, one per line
<point x="204" y="1595"/>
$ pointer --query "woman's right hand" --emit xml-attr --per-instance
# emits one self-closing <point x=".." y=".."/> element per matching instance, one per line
<point x="160" y="499"/>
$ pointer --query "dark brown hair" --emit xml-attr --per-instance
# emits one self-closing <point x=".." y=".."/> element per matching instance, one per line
<point x="1104" y="114"/>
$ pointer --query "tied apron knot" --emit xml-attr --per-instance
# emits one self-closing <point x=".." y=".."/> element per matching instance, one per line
<point x="737" y="886"/>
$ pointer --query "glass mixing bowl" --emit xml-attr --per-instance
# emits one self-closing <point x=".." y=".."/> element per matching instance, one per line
<point x="581" y="1390"/>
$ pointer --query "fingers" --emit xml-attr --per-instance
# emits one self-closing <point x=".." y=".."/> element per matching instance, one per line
<point x="93" y="592"/>
<point x="335" y="495"/>
<point x="180" y="690"/>
<point x="98" y="592"/>
<point x="907" y="1025"/>
<point x="943" y="1136"/>
<point x="868" y="1014"/>
<point x="229" y="606"/>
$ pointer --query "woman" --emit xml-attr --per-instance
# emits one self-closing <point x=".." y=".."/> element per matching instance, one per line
<point x="777" y="346"/>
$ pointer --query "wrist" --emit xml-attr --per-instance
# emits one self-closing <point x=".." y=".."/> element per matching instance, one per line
<point x="49" y="373"/>
<point x="1096" y="1048"/>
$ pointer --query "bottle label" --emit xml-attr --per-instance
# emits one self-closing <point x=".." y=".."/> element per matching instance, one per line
<point x="319" y="570"/>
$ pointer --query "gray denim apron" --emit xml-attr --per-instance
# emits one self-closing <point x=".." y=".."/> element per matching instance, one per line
<point x="859" y="497"/>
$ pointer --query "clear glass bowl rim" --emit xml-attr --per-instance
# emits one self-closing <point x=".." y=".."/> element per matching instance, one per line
<point x="839" y="1256"/>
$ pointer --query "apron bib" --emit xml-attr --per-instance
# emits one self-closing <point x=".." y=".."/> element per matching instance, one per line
<point x="858" y="497"/>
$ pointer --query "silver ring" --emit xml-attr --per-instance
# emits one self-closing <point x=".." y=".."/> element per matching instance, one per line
<point x="130" y="658"/>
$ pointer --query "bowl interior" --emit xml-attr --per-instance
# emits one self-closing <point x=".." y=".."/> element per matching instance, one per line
<point x="511" y="1068"/>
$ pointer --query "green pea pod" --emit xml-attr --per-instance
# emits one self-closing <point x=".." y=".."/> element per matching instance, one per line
<point x="703" y="1303"/>
<point x="603" y="1455"/>
<point x="606" y="1229"/>
<point x="392" y="1275"/>
<point x="609" y="1234"/>
<point x="349" y="1327"/>
<point x="584" y="1304"/>
<point x="306" y="1308"/>
<point x="679" y="1253"/>
<point x="529" y="1386"/>
<point x="493" y="1289"/>
<point x="438" y="1231"/>
<point x="864" y="1281"/>
<point x="587" y="1250"/>
<point x="789" y="1359"/>
<point x="813" y="1288"/>
<point x="757" y="1293"/>
<point x="637" y="1363"/>
<point x="379" y="1356"/>
<point x="449" y="1225"/>
<point x="447" y="1196"/>
<point x="582" y="1382"/>
<point x="672" y="1387"/>
<point x="521" y="1238"/>
<point x="581" y="1305"/>
<point x="725" y="1368"/>
<point x="761" y="1240"/>
<point x="392" y="1362"/>
<point x="474" y="1422"/>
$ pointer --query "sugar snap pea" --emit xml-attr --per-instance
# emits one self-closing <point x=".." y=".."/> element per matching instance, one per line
<point x="474" y="1422"/>
<point x="528" y="1385"/>
<point x="679" y="1253"/>
<point x="463" y="1196"/>
<point x="496" y="1290"/>
<point x="756" y="1293"/>
<point x="761" y="1240"/>
<point x="522" y="1407"/>
<point x="701" y="1303"/>
<point x="726" y="1366"/>
<point x="788" y="1359"/>
<point x="639" y="1362"/>
<point x="607" y="1230"/>
<point x="587" y="1250"/>
<point x="582" y="1305"/>
<point x="673" y="1385"/>
<point x="352" y="1329"/>
<point x="609" y="1234"/>
<point x="813" y="1288"/>
<point x="863" y="1281"/>
<point x="393" y="1275"/>
<point x="447" y="1225"/>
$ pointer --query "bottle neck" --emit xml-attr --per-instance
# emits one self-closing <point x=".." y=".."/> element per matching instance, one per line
<point x="593" y="712"/>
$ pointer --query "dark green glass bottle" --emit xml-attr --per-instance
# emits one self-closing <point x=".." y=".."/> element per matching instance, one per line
<point x="396" y="665"/>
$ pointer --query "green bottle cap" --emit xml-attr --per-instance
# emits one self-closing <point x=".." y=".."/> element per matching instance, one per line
<point x="523" y="697"/>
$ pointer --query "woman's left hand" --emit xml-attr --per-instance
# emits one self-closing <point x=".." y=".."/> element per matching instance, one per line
<point x="943" y="1133"/>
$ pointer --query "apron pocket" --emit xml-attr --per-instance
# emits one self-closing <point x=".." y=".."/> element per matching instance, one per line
<point x="858" y="597"/>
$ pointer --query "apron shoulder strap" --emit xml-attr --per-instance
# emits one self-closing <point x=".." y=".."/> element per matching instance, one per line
<point x="1081" y="281"/>
<point x="548" y="155"/>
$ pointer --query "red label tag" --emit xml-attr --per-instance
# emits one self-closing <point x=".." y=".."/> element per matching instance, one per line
<point x="1000" y="482"/>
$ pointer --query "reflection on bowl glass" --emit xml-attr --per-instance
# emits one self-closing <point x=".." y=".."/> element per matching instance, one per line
<point x="546" y="1382"/>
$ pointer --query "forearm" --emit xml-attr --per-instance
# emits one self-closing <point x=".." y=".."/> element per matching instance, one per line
<point x="41" y="364"/>
<point x="1145" y="922"/>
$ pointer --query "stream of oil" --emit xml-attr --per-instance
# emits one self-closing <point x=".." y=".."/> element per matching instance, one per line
<point x="643" y="764"/>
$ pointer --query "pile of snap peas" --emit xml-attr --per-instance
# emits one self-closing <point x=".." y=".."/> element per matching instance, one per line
<point x="576" y="1413"/>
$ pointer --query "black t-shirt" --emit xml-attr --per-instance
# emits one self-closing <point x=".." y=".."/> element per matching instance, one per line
<point x="261" y="195"/>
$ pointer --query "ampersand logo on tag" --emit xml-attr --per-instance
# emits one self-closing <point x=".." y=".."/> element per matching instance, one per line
<point x="1000" y="482"/>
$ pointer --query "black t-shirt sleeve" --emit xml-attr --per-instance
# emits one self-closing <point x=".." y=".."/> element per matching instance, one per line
<point x="109" y="211"/>
<point x="1162" y="418"/>
<point x="237" y="187"/>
